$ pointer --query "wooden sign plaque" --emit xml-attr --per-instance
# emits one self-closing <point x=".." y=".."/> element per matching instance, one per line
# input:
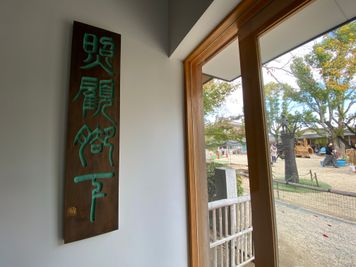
<point x="92" y="149"/>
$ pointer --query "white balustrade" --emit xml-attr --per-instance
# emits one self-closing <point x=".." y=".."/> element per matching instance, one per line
<point x="231" y="241"/>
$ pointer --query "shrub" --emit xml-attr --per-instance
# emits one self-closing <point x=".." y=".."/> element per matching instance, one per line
<point x="210" y="167"/>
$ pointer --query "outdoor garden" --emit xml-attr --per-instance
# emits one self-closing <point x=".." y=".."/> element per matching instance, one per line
<point x="310" y="102"/>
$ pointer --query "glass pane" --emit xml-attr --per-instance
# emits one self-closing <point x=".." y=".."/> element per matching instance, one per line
<point x="310" y="105"/>
<point x="230" y="216"/>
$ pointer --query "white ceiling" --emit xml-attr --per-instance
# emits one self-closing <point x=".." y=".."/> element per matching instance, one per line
<point x="316" y="18"/>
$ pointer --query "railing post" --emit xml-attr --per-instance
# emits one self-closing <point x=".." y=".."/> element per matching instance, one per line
<point x="233" y="231"/>
<point x="221" y="237"/>
<point x="238" y="229"/>
<point x="227" y="254"/>
<point x="215" y="255"/>
<point x="245" y="227"/>
<point x="233" y="245"/>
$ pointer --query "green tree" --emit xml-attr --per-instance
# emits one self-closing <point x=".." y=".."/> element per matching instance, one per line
<point x="326" y="80"/>
<point x="273" y="109"/>
<point x="283" y="125"/>
<point x="214" y="95"/>
<point x="277" y="107"/>
<point x="222" y="130"/>
<point x="219" y="129"/>
<point x="210" y="168"/>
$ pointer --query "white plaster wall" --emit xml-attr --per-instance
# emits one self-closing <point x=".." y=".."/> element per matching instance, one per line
<point x="34" y="76"/>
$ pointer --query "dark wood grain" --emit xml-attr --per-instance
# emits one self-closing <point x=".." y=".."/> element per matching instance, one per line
<point x="78" y="196"/>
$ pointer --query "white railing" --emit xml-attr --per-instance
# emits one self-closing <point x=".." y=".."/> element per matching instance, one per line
<point x="231" y="240"/>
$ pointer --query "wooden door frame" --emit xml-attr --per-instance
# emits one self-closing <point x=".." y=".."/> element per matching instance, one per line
<point x="246" y="22"/>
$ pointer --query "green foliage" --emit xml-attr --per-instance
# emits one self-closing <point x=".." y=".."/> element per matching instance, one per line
<point x="294" y="189"/>
<point x="273" y="103"/>
<point x="219" y="130"/>
<point x="278" y="106"/>
<point x="335" y="57"/>
<point x="210" y="168"/>
<point x="222" y="130"/>
<point x="214" y="94"/>
<point x="325" y="78"/>
<point x="240" y="189"/>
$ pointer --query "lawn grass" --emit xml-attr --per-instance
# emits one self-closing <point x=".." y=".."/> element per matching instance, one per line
<point x="292" y="188"/>
<point x="221" y="161"/>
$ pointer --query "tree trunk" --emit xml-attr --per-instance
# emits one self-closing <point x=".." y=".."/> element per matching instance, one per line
<point x="276" y="138"/>
<point x="339" y="146"/>
<point x="290" y="164"/>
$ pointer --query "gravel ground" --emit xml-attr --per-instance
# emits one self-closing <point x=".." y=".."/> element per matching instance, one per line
<point x="307" y="239"/>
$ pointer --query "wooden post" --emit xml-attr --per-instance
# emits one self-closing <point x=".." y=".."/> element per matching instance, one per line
<point x="259" y="167"/>
<point x="311" y="175"/>
<point x="316" y="179"/>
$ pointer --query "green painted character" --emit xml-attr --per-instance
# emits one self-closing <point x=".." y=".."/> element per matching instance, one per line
<point x="96" y="192"/>
<point x="88" y="88"/>
<point x="95" y="101"/>
<point x="98" y="56"/>
<point x="106" y="98"/>
<point x="97" y="139"/>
